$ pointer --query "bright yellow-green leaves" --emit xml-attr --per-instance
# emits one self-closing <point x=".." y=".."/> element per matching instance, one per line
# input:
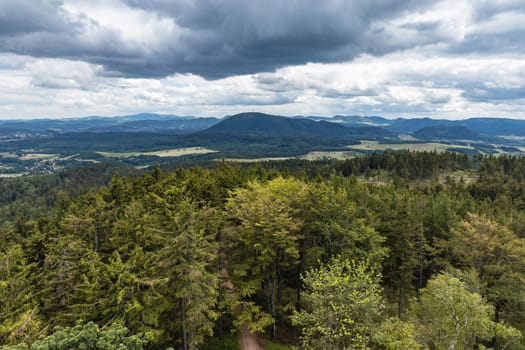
<point x="449" y="316"/>
<point x="342" y="305"/>
<point x="497" y="256"/>
<point x="264" y="241"/>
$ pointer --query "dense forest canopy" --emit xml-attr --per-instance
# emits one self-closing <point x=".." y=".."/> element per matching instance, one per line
<point x="398" y="250"/>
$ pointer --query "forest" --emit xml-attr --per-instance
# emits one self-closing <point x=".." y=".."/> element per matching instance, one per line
<point x="392" y="250"/>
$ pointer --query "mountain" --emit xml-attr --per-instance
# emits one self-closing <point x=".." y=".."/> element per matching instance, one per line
<point x="144" y="122"/>
<point x="153" y="116"/>
<point x="277" y="126"/>
<point x="354" y="120"/>
<point x="291" y="126"/>
<point x="161" y="126"/>
<point x="495" y="126"/>
<point x="446" y="132"/>
<point x="408" y="126"/>
<point x="260" y="124"/>
<point x="492" y="127"/>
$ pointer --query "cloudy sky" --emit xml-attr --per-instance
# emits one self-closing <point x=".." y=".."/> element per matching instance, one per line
<point x="450" y="59"/>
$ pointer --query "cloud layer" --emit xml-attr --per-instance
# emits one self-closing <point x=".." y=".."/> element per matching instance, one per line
<point x="213" y="57"/>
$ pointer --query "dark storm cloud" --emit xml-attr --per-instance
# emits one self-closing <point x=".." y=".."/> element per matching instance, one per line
<point x="238" y="36"/>
<point x="21" y="17"/>
<point x="216" y="38"/>
<point x="45" y="29"/>
<point x="219" y="38"/>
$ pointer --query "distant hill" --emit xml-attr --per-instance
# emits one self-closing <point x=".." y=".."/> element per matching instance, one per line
<point x="144" y="122"/>
<point x="495" y="126"/>
<point x="289" y="126"/>
<point x="277" y="126"/>
<point x="483" y="126"/>
<point x="161" y="126"/>
<point x="265" y="124"/>
<point x="446" y="132"/>
<point x="354" y="120"/>
<point x="407" y="126"/>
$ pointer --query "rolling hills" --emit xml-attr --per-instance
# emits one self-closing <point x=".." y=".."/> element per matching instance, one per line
<point x="141" y="140"/>
<point x="446" y="132"/>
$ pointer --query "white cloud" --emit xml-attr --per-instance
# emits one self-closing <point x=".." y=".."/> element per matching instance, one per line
<point x="400" y="84"/>
<point x="421" y="62"/>
<point x="63" y="74"/>
<point x="134" y="26"/>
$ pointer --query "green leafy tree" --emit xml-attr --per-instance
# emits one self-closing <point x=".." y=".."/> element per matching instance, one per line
<point x="263" y="242"/>
<point x="342" y="306"/>
<point x="451" y="317"/>
<point x="333" y="227"/>
<point x="498" y="257"/>
<point x="85" y="336"/>
<point x="394" y="334"/>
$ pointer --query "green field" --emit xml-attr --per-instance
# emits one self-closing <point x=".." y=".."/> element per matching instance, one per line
<point x="11" y="175"/>
<point x="420" y="147"/>
<point x="254" y="160"/>
<point x="7" y="155"/>
<point x="314" y="155"/>
<point x="175" y="152"/>
<point x="37" y="156"/>
<point x="322" y="155"/>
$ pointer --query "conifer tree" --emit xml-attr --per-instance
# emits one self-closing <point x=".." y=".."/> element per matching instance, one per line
<point x="19" y="314"/>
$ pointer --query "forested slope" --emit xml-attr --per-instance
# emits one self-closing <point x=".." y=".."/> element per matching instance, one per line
<point x="389" y="251"/>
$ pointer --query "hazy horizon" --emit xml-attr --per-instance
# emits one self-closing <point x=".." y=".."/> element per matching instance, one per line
<point x="228" y="115"/>
<point x="412" y="59"/>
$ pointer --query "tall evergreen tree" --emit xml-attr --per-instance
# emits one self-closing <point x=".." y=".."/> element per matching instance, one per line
<point x="19" y="314"/>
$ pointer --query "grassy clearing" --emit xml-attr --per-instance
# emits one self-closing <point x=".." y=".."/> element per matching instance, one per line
<point x="38" y="156"/>
<point x="314" y="155"/>
<point x="466" y="176"/>
<point x="144" y="166"/>
<point x="254" y="160"/>
<point x="8" y="155"/>
<point x="512" y="137"/>
<point x="11" y="175"/>
<point x="420" y="147"/>
<point x="176" y="152"/>
<point x="321" y="155"/>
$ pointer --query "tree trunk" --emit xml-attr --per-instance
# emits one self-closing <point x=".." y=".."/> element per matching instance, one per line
<point x="400" y="302"/>
<point x="184" y="340"/>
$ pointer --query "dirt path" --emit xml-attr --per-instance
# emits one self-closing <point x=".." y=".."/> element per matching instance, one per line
<point x="247" y="340"/>
<point x="250" y="341"/>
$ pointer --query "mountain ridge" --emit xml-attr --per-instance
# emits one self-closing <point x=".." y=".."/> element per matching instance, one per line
<point x="446" y="132"/>
<point x="261" y="124"/>
<point x="174" y="124"/>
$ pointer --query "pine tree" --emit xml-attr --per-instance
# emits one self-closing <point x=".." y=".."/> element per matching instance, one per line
<point x="19" y="315"/>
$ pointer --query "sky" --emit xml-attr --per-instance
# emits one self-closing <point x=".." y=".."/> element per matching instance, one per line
<point x="448" y="59"/>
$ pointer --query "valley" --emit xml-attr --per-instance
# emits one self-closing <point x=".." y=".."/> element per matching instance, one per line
<point x="46" y="146"/>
